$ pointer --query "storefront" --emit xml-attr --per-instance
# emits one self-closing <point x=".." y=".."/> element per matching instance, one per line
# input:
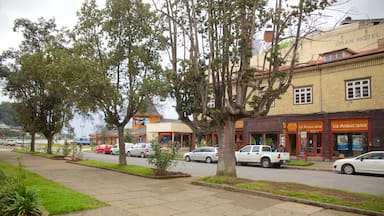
<point x="305" y="138"/>
<point x="349" y="137"/>
<point x="324" y="136"/>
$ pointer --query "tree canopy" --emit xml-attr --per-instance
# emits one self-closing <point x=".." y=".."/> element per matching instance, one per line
<point x="119" y="44"/>
<point x="213" y="80"/>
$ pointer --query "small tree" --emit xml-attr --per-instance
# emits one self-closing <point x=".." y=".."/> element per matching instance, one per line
<point x="162" y="159"/>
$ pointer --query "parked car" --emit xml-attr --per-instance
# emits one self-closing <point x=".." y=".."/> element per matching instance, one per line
<point x="104" y="148"/>
<point x="128" y="147"/>
<point x="261" y="154"/>
<point x="115" y="149"/>
<point x="207" y="153"/>
<point x="141" y="149"/>
<point x="371" y="162"/>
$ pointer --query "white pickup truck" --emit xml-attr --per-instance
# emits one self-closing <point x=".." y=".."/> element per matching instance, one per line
<point x="261" y="154"/>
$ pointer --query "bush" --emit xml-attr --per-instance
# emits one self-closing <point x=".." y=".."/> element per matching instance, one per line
<point x="15" y="197"/>
<point x="66" y="149"/>
<point x="21" y="201"/>
<point x="162" y="159"/>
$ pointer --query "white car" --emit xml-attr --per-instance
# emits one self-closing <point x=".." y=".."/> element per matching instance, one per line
<point x="208" y="154"/>
<point x="371" y="162"/>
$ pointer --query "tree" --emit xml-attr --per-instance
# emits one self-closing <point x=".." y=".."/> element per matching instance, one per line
<point x="119" y="44"/>
<point x="39" y="77"/>
<point x="217" y="37"/>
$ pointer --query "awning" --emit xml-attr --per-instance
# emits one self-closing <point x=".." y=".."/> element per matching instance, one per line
<point x="165" y="133"/>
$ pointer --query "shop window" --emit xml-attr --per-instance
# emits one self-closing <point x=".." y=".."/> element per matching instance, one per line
<point x="358" y="89"/>
<point x="303" y="95"/>
<point x="256" y="139"/>
<point x="349" y="144"/>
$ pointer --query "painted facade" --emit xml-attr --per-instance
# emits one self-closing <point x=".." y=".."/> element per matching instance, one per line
<point x="335" y="106"/>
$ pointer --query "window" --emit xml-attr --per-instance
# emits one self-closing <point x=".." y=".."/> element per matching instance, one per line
<point x="303" y="95"/>
<point x="358" y="89"/>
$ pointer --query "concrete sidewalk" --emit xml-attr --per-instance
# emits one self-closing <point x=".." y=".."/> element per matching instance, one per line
<point x="132" y="195"/>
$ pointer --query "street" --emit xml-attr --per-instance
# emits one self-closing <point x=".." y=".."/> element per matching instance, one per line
<point x="355" y="183"/>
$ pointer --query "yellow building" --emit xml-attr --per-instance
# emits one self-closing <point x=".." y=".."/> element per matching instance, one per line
<point x="335" y="107"/>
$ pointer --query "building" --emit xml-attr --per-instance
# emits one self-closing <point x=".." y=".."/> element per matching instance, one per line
<point x="149" y="126"/>
<point x="335" y="107"/>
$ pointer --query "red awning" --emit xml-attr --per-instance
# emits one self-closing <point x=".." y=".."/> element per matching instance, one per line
<point x="165" y="133"/>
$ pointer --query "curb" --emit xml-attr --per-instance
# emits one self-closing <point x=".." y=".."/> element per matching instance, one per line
<point x="135" y="174"/>
<point x="289" y="199"/>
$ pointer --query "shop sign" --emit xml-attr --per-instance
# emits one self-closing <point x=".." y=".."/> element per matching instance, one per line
<point x="350" y="125"/>
<point x="311" y="126"/>
<point x="292" y="126"/>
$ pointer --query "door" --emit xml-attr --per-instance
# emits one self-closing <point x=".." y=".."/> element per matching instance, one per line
<point x="292" y="144"/>
<point x="314" y="144"/>
<point x="244" y="154"/>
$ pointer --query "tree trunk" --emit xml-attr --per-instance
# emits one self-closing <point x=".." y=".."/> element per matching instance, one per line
<point x="122" y="157"/>
<point x="226" y="166"/>
<point x="33" y="136"/>
<point x="49" y="147"/>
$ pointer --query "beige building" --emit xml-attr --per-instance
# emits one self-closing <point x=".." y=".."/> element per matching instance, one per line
<point x="335" y="107"/>
<point x="170" y="132"/>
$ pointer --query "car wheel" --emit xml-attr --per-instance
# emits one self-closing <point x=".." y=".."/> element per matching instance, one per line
<point x="266" y="163"/>
<point x="128" y="154"/>
<point x="208" y="160"/>
<point x="187" y="158"/>
<point x="348" y="169"/>
<point x="142" y="155"/>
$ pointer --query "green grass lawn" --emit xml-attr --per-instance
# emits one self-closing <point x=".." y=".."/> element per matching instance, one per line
<point x="299" y="163"/>
<point x="56" y="198"/>
<point x="307" y="192"/>
<point x="129" y="168"/>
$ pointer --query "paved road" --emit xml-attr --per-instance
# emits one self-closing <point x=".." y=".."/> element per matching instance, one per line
<point x="356" y="183"/>
<point x="130" y="195"/>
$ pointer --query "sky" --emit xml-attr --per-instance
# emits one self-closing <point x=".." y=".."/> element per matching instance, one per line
<point x="64" y="12"/>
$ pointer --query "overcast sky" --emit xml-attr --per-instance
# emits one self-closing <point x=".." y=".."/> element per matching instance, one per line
<point x="64" y="12"/>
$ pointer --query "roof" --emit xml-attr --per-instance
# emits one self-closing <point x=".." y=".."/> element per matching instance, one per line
<point x="321" y="61"/>
<point x="150" y="110"/>
<point x="349" y="20"/>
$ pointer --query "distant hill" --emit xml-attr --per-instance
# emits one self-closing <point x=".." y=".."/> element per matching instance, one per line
<point x="7" y="114"/>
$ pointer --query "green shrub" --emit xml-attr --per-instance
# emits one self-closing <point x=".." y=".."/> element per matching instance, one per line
<point x="162" y="159"/>
<point x="21" y="201"/>
<point x="15" y="197"/>
<point x="66" y="149"/>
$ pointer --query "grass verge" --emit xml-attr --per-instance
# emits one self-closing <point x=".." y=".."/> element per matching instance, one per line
<point x="129" y="168"/>
<point x="41" y="154"/>
<point x="56" y="198"/>
<point x="306" y="192"/>
<point x="299" y="163"/>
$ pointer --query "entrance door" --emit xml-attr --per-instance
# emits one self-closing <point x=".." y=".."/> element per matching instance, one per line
<point x="292" y="144"/>
<point x="314" y="144"/>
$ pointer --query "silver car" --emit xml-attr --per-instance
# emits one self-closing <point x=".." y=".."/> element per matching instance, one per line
<point x="141" y="149"/>
<point x="207" y="153"/>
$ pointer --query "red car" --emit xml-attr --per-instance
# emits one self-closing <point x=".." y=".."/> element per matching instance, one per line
<point x="104" y="148"/>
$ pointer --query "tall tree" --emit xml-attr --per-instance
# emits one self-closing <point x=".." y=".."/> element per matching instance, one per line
<point x="119" y="44"/>
<point x="217" y="37"/>
<point x="39" y="77"/>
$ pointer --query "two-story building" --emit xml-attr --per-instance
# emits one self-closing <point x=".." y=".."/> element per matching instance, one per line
<point x="335" y="107"/>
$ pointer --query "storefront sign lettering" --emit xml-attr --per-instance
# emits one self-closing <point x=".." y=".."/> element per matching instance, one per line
<point x="358" y="39"/>
<point x="311" y="126"/>
<point x="352" y="124"/>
